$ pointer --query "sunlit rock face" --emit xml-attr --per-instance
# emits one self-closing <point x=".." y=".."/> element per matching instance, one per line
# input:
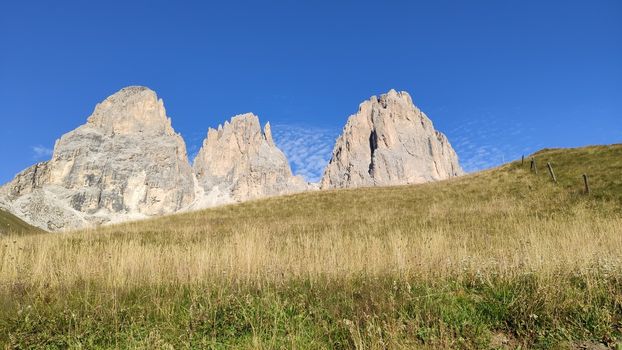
<point x="239" y="161"/>
<point x="389" y="141"/>
<point x="125" y="163"/>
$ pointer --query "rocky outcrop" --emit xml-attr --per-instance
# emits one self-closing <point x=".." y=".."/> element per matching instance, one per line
<point x="389" y="141"/>
<point x="239" y="161"/>
<point x="125" y="163"/>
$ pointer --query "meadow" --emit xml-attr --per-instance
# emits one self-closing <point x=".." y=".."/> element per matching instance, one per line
<point x="504" y="258"/>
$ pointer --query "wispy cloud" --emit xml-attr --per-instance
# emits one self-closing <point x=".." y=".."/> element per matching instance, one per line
<point x="41" y="152"/>
<point x="487" y="141"/>
<point x="308" y="149"/>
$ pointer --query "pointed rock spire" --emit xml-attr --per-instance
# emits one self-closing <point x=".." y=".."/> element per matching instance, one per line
<point x="268" y="134"/>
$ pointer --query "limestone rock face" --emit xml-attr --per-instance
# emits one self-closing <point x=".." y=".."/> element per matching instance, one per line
<point x="125" y="163"/>
<point x="239" y="161"/>
<point x="389" y="141"/>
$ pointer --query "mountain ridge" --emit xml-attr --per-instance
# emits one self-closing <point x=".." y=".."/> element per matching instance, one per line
<point x="127" y="162"/>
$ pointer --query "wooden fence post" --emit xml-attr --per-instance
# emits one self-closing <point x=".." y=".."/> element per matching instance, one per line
<point x="587" y="184"/>
<point x="534" y="167"/>
<point x="548" y="164"/>
<point x="522" y="160"/>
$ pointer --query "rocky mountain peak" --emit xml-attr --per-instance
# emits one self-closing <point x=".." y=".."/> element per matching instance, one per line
<point x="389" y="141"/>
<point x="125" y="163"/>
<point x="391" y="99"/>
<point x="134" y="109"/>
<point x="240" y="161"/>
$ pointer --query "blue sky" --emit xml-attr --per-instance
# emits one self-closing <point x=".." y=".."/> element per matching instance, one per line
<point x="500" y="78"/>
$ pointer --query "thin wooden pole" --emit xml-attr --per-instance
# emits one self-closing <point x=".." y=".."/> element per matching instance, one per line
<point x="548" y="164"/>
<point x="587" y="184"/>
<point x="534" y="167"/>
<point x="522" y="160"/>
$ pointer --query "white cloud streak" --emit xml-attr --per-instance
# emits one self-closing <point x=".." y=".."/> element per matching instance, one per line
<point x="41" y="152"/>
<point x="488" y="141"/>
<point x="308" y="149"/>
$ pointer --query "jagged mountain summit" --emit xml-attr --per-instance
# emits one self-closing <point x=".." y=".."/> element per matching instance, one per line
<point x="239" y="161"/>
<point x="389" y="141"/>
<point x="125" y="163"/>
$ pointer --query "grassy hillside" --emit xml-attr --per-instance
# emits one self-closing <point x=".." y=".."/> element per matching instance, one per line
<point x="11" y="224"/>
<point x="498" y="259"/>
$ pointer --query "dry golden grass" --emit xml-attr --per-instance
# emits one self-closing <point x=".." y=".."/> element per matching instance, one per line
<point x="255" y="254"/>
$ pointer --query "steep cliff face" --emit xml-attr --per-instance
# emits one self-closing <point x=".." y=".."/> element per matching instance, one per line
<point x="239" y="161"/>
<point x="389" y="141"/>
<point x="125" y="163"/>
